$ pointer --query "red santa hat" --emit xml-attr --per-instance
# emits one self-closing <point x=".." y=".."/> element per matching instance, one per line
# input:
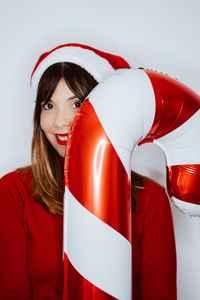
<point x="99" y="64"/>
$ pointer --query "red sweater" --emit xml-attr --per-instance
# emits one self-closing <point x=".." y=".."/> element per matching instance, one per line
<point x="31" y="245"/>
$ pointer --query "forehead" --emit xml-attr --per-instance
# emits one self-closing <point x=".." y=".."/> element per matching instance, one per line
<point x="62" y="91"/>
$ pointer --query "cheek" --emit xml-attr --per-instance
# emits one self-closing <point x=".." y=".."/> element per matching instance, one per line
<point x="71" y="115"/>
<point x="44" y="122"/>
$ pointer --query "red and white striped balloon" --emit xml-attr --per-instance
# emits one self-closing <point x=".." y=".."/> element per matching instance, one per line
<point x="131" y="107"/>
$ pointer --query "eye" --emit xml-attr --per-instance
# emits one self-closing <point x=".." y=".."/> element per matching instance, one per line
<point x="47" y="105"/>
<point x="76" y="104"/>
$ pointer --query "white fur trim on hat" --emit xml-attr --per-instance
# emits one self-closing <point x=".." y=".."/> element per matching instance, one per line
<point x="96" y="65"/>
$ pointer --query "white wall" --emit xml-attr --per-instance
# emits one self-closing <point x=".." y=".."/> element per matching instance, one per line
<point x="157" y="34"/>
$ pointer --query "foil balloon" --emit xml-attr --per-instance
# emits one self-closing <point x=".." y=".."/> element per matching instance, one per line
<point x="131" y="107"/>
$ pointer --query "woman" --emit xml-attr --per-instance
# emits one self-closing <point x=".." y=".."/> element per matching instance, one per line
<point x="31" y="197"/>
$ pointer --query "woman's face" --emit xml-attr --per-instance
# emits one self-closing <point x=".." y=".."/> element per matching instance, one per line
<point x="57" y="116"/>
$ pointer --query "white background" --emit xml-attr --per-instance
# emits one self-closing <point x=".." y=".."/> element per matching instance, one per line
<point x="157" y="34"/>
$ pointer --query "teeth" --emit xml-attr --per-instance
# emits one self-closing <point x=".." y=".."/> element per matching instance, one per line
<point x="62" y="138"/>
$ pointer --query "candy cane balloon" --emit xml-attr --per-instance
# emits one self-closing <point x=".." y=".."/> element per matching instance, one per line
<point x="101" y="65"/>
<point x="131" y="107"/>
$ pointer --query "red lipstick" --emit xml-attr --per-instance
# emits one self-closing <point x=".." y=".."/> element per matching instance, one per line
<point x="61" y="140"/>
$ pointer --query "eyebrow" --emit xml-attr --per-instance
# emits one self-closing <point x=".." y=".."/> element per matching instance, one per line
<point x="72" y="97"/>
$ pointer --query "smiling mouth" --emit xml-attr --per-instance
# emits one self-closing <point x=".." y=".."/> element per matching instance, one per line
<point x="61" y="139"/>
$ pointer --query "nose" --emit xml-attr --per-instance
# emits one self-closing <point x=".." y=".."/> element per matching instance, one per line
<point x="62" y="119"/>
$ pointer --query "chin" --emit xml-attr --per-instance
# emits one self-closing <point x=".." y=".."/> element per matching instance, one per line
<point x="61" y="152"/>
<point x="62" y="155"/>
<point x="59" y="149"/>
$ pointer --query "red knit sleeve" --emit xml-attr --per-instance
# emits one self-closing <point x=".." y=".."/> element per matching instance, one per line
<point x="14" y="282"/>
<point x="158" y="257"/>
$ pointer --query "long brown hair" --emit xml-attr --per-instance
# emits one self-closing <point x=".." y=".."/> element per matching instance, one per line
<point x="137" y="183"/>
<point x="48" y="181"/>
<point x="46" y="166"/>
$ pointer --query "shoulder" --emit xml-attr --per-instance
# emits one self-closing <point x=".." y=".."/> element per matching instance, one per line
<point x="151" y="191"/>
<point x="152" y="201"/>
<point x="153" y="188"/>
<point x="19" y="181"/>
